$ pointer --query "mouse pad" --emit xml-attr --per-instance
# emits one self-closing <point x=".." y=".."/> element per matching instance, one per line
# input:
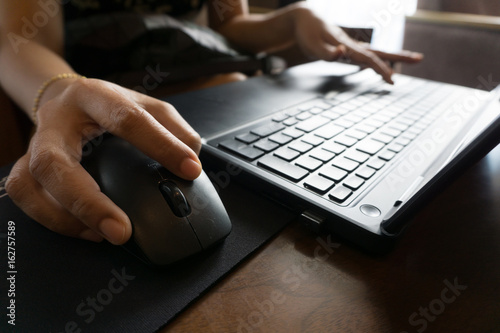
<point x="52" y="283"/>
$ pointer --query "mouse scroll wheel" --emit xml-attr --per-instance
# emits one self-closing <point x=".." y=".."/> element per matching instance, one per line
<point x="175" y="199"/>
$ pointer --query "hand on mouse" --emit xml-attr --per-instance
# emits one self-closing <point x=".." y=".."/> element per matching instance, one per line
<point x="51" y="186"/>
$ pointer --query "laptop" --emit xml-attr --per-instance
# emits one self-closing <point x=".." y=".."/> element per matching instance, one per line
<point x="350" y="154"/>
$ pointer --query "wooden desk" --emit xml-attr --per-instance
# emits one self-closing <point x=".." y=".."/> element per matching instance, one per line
<point x="443" y="276"/>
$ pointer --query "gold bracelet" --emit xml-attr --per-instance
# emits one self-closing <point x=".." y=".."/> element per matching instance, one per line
<point x="44" y="86"/>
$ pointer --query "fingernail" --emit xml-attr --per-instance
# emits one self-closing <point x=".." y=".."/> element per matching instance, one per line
<point x="389" y="78"/>
<point x="90" y="235"/>
<point x="190" y="168"/>
<point x="418" y="55"/>
<point x="113" y="230"/>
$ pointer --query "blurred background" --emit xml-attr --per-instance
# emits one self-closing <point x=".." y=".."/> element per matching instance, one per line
<point x="460" y="38"/>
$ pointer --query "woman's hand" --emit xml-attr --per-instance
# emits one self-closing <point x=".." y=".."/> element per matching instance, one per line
<point x="51" y="186"/>
<point x="321" y="41"/>
<point x="297" y="24"/>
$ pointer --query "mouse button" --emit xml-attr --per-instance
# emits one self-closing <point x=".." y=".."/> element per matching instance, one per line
<point x="175" y="198"/>
<point x="209" y="218"/>
<point x="166" y="242"/>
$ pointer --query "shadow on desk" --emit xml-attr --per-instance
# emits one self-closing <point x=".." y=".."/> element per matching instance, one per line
<point x="441" y="277"/>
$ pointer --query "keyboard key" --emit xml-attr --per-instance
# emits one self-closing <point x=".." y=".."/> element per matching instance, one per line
<point x="322" y="105"/>
<point x="322" y="155"/>
<point x="345" y="96"/>
<point x="365" y="128"/>
<point x="308" y="163"/>
<point x="251" y="153"/>
<point x="293" y="133"/>
<point x="247" y="138"/>
<point x="279" y="138"/>
<point x="355" y="102"/>
<point x="357" y="156"/>
<point x="333" y="173"/>
<point x="300" y="146"/>
<point x="286" y="154"/>
<point x="377" y="105"/>
<point x="331" y="102"/>
<point x="365" y="172"/>
<point x="405" y="120"/>
<point x="312" y="140"/>
<point x="232" y="145"/>
<point x="267" y="130"/>
<point x="283" y="168"/>
<point x="312" y="123"/>
<point x="330" y="115"/>
<point x="316" y="110"/>
<point x="345" y="164"/>
<point x="340" y="110"/>
<point x="266" y="145"/>
<point x="354" y="182"/>
<point x="382" y="138"/>
<point x="241" y="149"/>
<point x="364" y="99"/>
<point x="333" y="147"/>
<point x="344" y="123"/>
<point x="369" y="108"/>
<point x="395" y="147"/>
<point x="399" y="126"/>
<point x="387" y="155"/>
<point x="402" y="141"/>
<point x="328" y="131"/>
<point x="381" y="118"/>
<point x="290" y="122"/>
<point x="361" y="113"/>
<point x="355" y="134"/>
<point x="353" y="118"/>
<point x="280" y="117"/>
<point x="388" y="113"/>
<point x="303" y="116"/>
<point x="391" y="132"/>
<point x="370" y="146"/>
<point x="373" y="123"/>
<point x="318" y="184"/>
<point x="345" y="140"/>
<point x="412" y="116"/>
<point x="409" y="136"/>
<point x="376" y="163"/>
<point x="340" y="194"/>
<point x="415" y="130"/>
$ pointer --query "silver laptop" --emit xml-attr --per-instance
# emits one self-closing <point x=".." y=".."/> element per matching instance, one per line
<point x="349" y="153"/>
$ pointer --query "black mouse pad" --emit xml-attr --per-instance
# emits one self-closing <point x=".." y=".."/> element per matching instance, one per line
<point x="52" y="283"/>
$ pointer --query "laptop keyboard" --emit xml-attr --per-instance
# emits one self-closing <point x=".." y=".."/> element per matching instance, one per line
<point x="336" y="145"/>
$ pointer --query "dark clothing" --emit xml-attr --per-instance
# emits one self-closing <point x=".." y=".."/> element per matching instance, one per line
<point x="82" y="8"/>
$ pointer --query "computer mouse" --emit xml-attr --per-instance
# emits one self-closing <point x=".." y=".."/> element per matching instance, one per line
<point x="172" y="218"/>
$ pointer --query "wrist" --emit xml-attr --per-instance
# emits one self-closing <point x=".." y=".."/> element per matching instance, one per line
<point x="50" y="88"/>
<point x="301" y="17"/>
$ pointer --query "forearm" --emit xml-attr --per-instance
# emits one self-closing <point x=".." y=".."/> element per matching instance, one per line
<point x="25" y="71"/>
<point x="262" y="32"/>
<point x="30" y="55"/>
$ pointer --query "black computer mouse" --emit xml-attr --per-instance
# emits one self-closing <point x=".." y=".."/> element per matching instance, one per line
<point x="171" y="218"/>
